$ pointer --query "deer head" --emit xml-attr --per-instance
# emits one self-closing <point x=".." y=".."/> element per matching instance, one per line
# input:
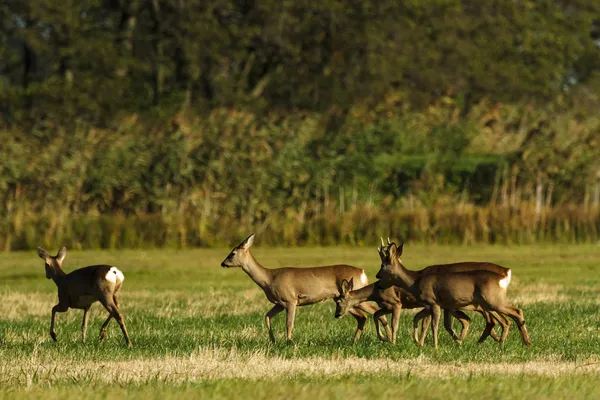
<point x="239" y="255"/>
<point x="52" y="264"/>
<point x="341" y="302"/>
<point x="391" y="263"/>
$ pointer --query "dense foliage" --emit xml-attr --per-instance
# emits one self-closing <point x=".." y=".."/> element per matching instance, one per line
<point x="185" y="122"/>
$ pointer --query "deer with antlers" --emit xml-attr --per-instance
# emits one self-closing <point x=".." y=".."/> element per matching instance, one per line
<point x="453" y="291"/>
<point x="391" y="299"/>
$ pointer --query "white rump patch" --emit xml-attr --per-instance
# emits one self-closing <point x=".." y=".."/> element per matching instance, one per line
<point x="363" y="279"/>
<point x="114" y="275"/>
<point x="506" y="281"/>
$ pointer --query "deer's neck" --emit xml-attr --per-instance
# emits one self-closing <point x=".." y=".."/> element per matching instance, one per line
<point x="366" y="293"/>
<point x="406" y="278"/>
<point x="259" y="274"/>
<point x="58" y="276"/>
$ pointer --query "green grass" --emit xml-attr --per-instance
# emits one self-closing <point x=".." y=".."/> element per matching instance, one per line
<point x="198" y="329"/>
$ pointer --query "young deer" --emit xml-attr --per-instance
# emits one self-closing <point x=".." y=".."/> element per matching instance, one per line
<point x="289" y="288"/>
<point x="82" y="288"/>
<point x="390" y="299"/>
<point x="454" y="290"/>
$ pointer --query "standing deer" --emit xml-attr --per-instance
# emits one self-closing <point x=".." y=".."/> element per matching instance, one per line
<point x="82" y="288"/>
<point x="289" y="288"/>
<point x="454" y="290"/>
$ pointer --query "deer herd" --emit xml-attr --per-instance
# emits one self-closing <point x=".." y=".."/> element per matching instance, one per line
<point x="453" y="288"/>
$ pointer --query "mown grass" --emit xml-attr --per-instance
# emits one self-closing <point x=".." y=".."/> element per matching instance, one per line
<point x="198" y="329"/>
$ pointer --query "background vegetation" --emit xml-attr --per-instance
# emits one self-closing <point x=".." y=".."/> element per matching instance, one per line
<point x="190" y="123"/>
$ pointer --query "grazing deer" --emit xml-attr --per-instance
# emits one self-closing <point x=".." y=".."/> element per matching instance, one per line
<point x="454" y="290"/>
<point x="289" y="288"/>
<point x="82" y="288"/>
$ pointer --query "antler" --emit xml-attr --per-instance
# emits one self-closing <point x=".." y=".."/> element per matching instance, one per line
<point x="389" y="240"/>
<point x="382" y="244"/>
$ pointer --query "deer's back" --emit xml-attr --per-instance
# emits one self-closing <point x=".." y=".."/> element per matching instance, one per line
<point x="465" y="267"/>
<point x="454" y="289"/>
<point x="312" y="285"/>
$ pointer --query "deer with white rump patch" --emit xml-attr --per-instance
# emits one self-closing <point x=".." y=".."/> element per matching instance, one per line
<point x="454" y="290"/>
<point x="392" y="299"/>
<point x="289" y="288"/>
<point x="83" y="287"/>
<point x="425" y="314"/>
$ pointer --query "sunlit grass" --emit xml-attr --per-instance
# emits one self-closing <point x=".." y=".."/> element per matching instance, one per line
<point x="199" y="329"/>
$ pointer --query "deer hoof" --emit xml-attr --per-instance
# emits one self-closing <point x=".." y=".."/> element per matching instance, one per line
<point x="53" y="335"/>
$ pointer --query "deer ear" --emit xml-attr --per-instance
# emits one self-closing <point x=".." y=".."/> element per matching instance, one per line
<point x="351" y="284"/>
<point x="42" y="253"/>
<point x="392" y="250"/>
<point x="400" y="248"/>
<point x="247" y="242"/>
<point x="345" y="287"/>
<point x="60" y="256"/>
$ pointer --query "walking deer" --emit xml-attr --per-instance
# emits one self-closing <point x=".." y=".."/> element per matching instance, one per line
<point x="465" y="321"/>
<point x="392" y="299"/>
<point x="82" y="288"/>
<point x="454" y="290"/>
<point x="289" y="288"/>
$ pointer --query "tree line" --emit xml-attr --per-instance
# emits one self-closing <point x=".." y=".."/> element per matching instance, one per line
<point x="180" y="122"/>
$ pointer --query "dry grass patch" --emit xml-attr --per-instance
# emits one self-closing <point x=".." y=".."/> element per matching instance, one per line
<point x="210" y="303"/>
<point x="212" y="364"/>
<point x="18" y="305"/>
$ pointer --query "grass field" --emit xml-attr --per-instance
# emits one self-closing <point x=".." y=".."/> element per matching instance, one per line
<point x="198" y="330"/>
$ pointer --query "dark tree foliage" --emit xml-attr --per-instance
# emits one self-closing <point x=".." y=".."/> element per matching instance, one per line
<point x="259" y="111"/>
<point x="94" y="59"/>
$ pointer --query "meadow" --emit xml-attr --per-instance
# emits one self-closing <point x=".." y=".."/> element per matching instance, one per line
<point x="198" y="330"/>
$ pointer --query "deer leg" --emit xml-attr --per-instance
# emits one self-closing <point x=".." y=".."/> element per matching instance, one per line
<point x="424" y="315"/>
<point x="517" y="316"/>
<point x="395" y="321"/>
<point x="114" y="312"/>
<point x="57" y="308"/>
<point x="489" y="325"/>
<point x="272" y="313"/>
<point x="371" y="309"/>
<point x="436" y="314"/>
<point x="361" y="318"/>
<point x="448" y="324"/>
<point x="84" y="323"/>
<point x="464" y="320"/>
<point x="104" y="327"/>
<point x="425" y="328"/>
<point x="377" y="319"/>
<point x="289" y="321"/>
<point x="503" y="321"/>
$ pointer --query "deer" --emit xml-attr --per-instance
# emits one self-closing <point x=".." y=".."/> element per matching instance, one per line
<point x="425" y="314"/>
<point x="453" y="291"/>
<point x="81" y="288"/>
<point x="391" y="299"/>
<point x="290" y="288"/>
